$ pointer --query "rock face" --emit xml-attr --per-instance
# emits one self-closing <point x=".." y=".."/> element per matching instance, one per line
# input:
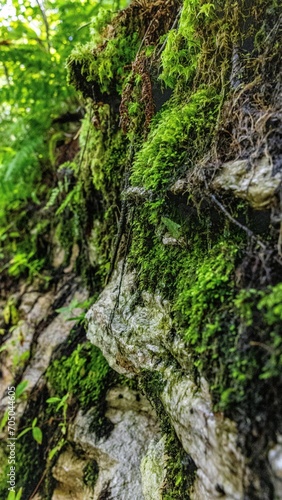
<point x="118" y="456"/>
<point x="133" y="333"/>
<point x="131" y="330"/>
<point x="39" y="332"/>
<point x="254" y="182"/>
<point x="177" y="232"/>
<point x="89" y="466"/>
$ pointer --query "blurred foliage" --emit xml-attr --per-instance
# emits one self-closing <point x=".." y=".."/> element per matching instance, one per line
<point x="36" y="37"/>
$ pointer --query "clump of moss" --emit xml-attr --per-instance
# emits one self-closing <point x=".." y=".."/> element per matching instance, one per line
<point x="84" y="375"/>
<point x="182" y="48"/>
<point x="102" y="65"/>
<point x="90" y="473"/>
<point x="183" y="130"/>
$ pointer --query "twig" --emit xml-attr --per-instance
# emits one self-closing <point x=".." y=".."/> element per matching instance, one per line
<point x="112" y="315"/>
<point x="46" y="24"/>
<point x="172" y="27"/>
<point x="123" y="216"/>
<point x="238" y="224"/>
<point x="38" y="484"/>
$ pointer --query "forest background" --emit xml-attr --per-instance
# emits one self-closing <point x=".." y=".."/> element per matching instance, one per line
<point x="36" y="38"/>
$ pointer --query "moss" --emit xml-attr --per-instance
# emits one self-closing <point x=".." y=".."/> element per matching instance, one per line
<point x="90" y="473"/>
<point x="178" y="131"/>
<point x="233" y="334"/>
<point x="103" y="68"/>
<point x="84" y="375"/>
<point x="32" y="470"/>
<point x="260" y="315"/>
<point x="182" y="48"/>
<point x="102" y="165"/>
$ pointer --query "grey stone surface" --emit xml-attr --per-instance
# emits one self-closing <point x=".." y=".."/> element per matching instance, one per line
<point x="275" y="461"/>
<point x="31" y="333"/>
<point x="255" y="183"/>
<point x="134" y="333"/>
<point x="119" y="455"/>
<point x="153" y="470"/>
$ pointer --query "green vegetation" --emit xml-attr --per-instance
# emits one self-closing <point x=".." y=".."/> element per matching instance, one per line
<point x="90" y="473"/>
<point x="180" y="128"/>
<point x="82" y="375"/>
<point x="38" y="117"/>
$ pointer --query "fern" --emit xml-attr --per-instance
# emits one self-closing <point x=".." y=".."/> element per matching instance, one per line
<point x="53" y="198"/>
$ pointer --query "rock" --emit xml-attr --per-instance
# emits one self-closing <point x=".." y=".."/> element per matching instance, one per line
<point x="133" y="333"/>
<point x="153" y="470"/>
<point x="119" y="455"/>
<point x="68" y="471"/>
<point x="41" y="330"/>
<point x="130" y="330"/>
<point x="275" y="461"/>
<point x="255" y="183"/>
<point x="209" y="438"/>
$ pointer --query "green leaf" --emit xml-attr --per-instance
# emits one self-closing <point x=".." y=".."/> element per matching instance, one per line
<point x="53" y="452"/>
<point x="173" y="227"/>
<point x="24" y="432"/>
<point x="34" y="422"/>
<point x="37" y="435"/>
<point x="19" y="494"/>
<point x="4" y="420"/>
<point x="53" y="400"/>
<point x="21" y="387"/>
<point x="13" y="496"/>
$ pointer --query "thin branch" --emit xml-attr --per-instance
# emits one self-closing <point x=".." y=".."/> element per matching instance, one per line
<point x="45" y="21"/>
<point x="6" y="74"/>
<point x="238" y="224"/>
<point x="172" y="27"/>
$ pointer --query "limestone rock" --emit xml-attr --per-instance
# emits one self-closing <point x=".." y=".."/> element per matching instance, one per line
<point x="68" y="471"/>
<point x="130" y="330"/>
<point x="153" y="470"/>
<point x="119" y="455"/>
<point x="255" y="183"/>
<point x="133" y="333"/>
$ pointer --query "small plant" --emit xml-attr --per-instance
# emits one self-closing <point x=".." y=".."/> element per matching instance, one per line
<point x="36" y="431"/>
<point x="56" y="449"/>
<point x="61" y="403"/>
<point x="15" y="496"/>
<point x="67" y="311"/>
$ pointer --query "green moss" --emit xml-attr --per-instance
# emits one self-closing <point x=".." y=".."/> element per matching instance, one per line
<point x="203" y="293"/>
<point x="101" y="169"/>
<point x="101" y="66"/>
<point x="181" y="53"/>
<point x="260" y="315"/>
<point x="84" y="375"/>
<point x="178" y="132"/>
<point x="90" y="473"/>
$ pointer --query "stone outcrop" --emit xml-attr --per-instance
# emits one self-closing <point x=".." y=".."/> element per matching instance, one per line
<point x="117" y="457"/>
<point x="134" y="333"/>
